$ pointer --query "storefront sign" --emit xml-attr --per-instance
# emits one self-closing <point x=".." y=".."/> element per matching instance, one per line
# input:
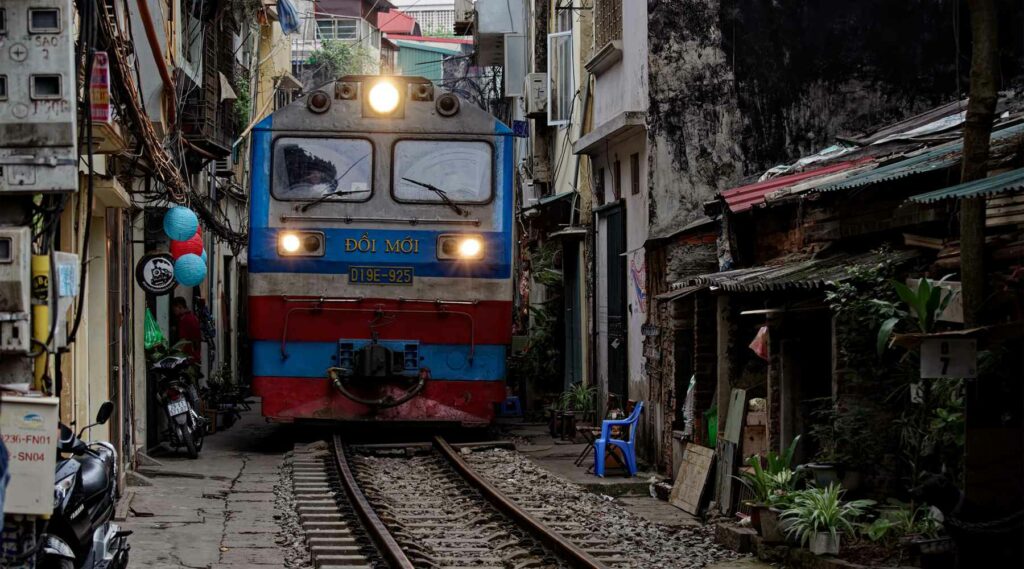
<point x="942" y="357"/>
<point x="155" y="273"/>
<point x="29" y="429"/>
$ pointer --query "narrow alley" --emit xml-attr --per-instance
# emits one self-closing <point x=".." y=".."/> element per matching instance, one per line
<point x="496" y="284"/>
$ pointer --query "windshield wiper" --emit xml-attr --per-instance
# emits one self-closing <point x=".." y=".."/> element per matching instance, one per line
<point x="323" y="198"/>
<point x="440" y="193"/>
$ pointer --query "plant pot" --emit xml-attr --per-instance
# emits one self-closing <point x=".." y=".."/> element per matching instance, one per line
<point x="824" y="543"/>
<point x="568" y="425"/>
<point x="852" y="480"/>
<point x="824" y="474"/>
<point x="771" y="527"/>
<point x="756" y="511"/>
<point x="935" y="553"/>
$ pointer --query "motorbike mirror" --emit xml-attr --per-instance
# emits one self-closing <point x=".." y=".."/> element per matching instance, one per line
<point x="106" y="410"/>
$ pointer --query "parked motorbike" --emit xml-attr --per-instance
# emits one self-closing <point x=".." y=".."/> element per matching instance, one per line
<point x="80" y="533"/>
<point x="178" y="396"/>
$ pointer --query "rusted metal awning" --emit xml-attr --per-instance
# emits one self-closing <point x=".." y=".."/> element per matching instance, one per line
<point x="745" y="197"/>
<point x="1012" y="181"/>
<point x="789" y="273"/>
<point x="677" y="293"/>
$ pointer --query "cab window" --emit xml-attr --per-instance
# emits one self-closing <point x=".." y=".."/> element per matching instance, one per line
<point x="459" y="168"/>
<point x="310" y="168"/>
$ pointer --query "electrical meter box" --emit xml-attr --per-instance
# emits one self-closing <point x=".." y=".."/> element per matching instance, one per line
<point x="29" y="429"/>
<point x="15" y="276"/>
<point x="37" y="97"/>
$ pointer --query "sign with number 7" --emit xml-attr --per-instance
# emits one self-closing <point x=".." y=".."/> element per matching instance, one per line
<point x="941" y="357"/>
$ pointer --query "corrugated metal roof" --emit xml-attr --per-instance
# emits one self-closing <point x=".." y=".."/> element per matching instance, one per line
<point x="1005" y="182"/>
<point x="786" y="274"/>
<point x="745" y="197"/>
<point x="940" y="157"/>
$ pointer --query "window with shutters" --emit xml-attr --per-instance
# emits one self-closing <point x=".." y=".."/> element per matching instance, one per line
<point x="607" y="21"/>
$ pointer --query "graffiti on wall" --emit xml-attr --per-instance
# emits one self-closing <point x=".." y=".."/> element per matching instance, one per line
<point x="637" y="279"/>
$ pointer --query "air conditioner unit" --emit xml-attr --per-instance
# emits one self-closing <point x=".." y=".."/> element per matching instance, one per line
<point x="536" y="95"/>
<point x="223" y="167"/>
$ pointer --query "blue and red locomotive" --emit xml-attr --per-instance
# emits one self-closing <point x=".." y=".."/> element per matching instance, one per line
<point x="380" y="255"/>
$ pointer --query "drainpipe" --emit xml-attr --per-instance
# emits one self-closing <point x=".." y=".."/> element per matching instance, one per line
<point x="161" y="64"/>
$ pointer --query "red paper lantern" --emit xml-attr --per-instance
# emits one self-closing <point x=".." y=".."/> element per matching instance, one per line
<point x="193" y="246"/>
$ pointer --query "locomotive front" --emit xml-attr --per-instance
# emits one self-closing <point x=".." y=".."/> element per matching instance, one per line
<point x="380" y="255"/>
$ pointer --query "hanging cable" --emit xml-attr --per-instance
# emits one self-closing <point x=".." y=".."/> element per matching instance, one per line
<point x="88" y="9"/>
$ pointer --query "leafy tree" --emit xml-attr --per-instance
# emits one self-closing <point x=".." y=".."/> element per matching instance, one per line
<point x="337" y="58"/>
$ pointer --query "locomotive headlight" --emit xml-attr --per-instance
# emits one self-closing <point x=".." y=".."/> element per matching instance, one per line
<point x="384" y="97"/>
<point x="470" y="248"/>
<point x="301" y="244"/>
<point x="289" y="242"/>
<point x="460" y="247"/>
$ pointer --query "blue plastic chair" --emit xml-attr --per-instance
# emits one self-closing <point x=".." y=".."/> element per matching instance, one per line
<point x="627" y="446"/>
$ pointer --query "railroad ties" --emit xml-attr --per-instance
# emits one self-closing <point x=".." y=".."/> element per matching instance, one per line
<point x="333" y="531"/>
<point x="422" y="505"/>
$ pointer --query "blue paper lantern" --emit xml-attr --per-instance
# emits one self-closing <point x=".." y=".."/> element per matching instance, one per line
<point x="180" y="223"/>
<point x="189" y="270"/>
<point x="204" y="256"/>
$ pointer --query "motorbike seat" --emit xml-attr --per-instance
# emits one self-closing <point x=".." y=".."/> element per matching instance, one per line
<point x="171" y="363"/>
<point x="94" y="477"/>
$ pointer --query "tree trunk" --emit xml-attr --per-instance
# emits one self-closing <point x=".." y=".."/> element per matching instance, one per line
<point x="994" y="454"/>
<point x="981" y="108"/>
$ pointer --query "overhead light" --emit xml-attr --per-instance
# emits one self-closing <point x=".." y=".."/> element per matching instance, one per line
<point x="384" y="97"/>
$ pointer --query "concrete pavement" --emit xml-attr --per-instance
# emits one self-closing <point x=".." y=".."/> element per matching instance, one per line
<point x="216" y="511"/>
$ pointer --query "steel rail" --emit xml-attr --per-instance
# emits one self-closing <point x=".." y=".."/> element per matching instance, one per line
<point x="385" y="542"/>
<point x="568" y="550"/>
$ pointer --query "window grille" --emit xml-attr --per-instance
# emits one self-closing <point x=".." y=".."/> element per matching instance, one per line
<point x="435" y="21"/>
<point x="337" y="29"/>
<point x="607" y="21"/>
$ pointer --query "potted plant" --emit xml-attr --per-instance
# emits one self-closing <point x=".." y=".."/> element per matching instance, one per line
<point x="580" y="399"/>
<point x="768" y="483"/>
<point x="818" y="515"/>
<point x="772" y="528"/>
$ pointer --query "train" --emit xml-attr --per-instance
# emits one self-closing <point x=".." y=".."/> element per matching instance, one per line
<point x="380" y="255"/>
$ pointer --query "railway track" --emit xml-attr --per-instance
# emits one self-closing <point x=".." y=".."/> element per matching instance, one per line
<point x="422" y="505"/>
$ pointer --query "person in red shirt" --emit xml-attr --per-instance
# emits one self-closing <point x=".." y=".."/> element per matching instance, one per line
<point x="188" y="329"/>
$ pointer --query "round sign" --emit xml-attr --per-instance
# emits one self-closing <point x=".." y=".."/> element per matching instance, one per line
<point x="155" y="273"/>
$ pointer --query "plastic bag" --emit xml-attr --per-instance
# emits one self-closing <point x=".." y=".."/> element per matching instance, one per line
<point x="760" y="343"/>
<point x="154" y="335"/>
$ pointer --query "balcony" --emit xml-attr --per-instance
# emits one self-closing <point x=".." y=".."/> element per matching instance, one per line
<point x="207" y="117"/>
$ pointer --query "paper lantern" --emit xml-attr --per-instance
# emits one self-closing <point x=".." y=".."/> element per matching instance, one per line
<point x="203" y="256"/>
<point x="189" y="270"/>
<point x="193" y="246"/>
<point x="180" y="223"/>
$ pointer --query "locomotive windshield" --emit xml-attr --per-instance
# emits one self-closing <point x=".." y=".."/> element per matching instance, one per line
<point x="312" y="168"/>
<point x="461" y="169"/>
